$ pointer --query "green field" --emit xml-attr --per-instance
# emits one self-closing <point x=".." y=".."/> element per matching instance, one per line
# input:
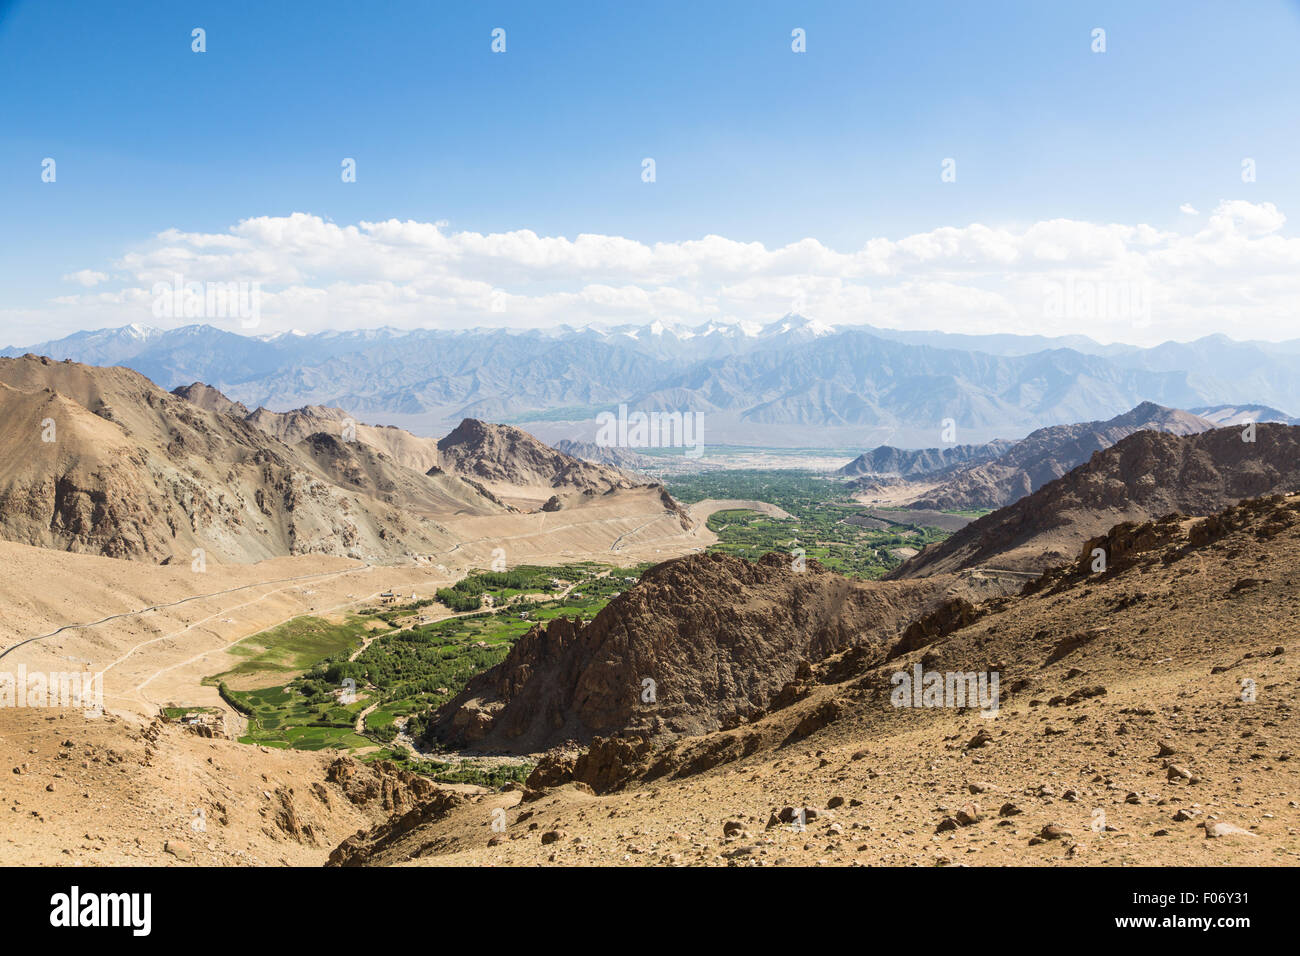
<point x="829" y="527"/>
<point x="406" y="671"/>
<point x="293" y="646"/>
<point x="505" y="586"/>
<point x="286" y="717"/>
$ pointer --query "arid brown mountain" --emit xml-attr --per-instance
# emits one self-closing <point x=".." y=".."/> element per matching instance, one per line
<point x="1046" y="455"/>
<point x="719" y="638"/>
<point x="205" y="396"/>
<point x="502" y="463"/>
<point x="499" y="459"/>
<point x="511" y="462"/>
<point x="1144" y="476"/>
<point x="102" y="461"/>
<point x="293" y="426"/>
<point x="408" y="450"/>
<point x="890" y="462"/>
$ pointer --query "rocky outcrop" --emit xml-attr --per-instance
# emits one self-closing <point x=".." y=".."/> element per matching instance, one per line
<point x="205" y="396"/>
<point x="939" y="623"/>
<point x="608" y="764"/>
<point x="384" y="844"/>
<point x="502" y="454"/>
<point x="382" y="783"/>
<point x="701" y="643"/>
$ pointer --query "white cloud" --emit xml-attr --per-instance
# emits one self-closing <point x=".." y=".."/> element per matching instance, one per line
<point x="86" y="277"/>
<point x="1188" y="209"/>
<point x="1237" y="273"/>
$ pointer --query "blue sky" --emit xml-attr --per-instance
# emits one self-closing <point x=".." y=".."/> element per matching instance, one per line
<point x="752" y="142"/>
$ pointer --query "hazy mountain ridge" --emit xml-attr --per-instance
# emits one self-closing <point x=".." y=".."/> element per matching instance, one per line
<point x="625" y="459"/>
<point x="1224" y="415"/>
<point x="792" y="373"/>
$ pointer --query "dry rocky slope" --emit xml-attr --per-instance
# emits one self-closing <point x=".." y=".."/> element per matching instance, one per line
<point x="1124" y="736"/>
<point x="102" y="461"/>
<point x="1143" y="476"/>
<point x="719" y="638"/>
<point x="1046" y="455"/>
<point x="205" y="396"/>
<point x="112" y="791"/>
<point x="506" y="458"/>
<point x="500" y="457"/>
<point x="995" y="475"/>
<point x="1146" y="716"/>
<point x="890" y="462"/>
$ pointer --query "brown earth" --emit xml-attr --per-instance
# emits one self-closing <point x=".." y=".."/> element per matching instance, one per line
<point x="102" y="461"/>
<point x="718" y="639"/>
<point x="1122" y="731"/>
<point x="115" y="791"/>
<point x="1045" y="455"/>
<point x="1124" y="735"/>
<point x="513" y="464"/>
<point x="1144" y="712"/>
<point x="1143" y="476"/>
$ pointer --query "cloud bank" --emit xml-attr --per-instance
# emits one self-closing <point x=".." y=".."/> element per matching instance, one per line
<point x="1232" y="271"/>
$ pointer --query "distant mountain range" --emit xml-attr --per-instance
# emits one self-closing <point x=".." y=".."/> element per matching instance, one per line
<point x="794" y="382"/>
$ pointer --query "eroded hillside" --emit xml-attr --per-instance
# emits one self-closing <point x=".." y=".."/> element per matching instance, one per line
<point x="1146" y="715"/>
